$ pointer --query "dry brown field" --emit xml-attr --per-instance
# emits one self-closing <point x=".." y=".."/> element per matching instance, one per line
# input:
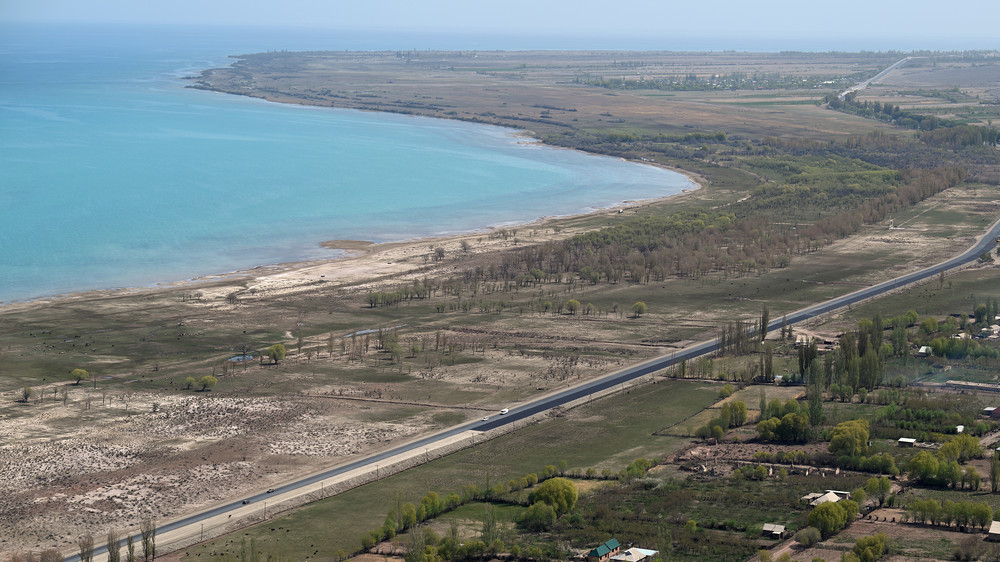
<point x="548" y="92"/>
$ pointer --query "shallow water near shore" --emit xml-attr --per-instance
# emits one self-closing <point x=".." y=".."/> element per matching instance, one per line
<point x="116" y="175"/>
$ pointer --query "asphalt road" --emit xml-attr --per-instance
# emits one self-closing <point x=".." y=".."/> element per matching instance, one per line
<point x="985" y="244"/>
<point x="876" y="78"/>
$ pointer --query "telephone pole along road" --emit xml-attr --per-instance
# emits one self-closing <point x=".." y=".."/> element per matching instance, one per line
<point x="986" y="243"/>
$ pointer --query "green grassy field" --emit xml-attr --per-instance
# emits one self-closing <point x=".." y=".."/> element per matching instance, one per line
<point x="608" y="433"/>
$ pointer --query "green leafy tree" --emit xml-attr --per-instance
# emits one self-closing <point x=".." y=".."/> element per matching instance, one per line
<point x="765" y="319"/>
<point x="982" y="514"/>
<point x="573" y="306"/>
<point x="869" y="549"/>
<point x="879" y="488"/>
<point x="26" y="394"/>
<point x="208" y="382"/>
<point x="924" y="467"/>
<point x="79" y="375"/>
<point x="639" y="308"/>
<point x="961" y="448"/>
<point x="995" y="472"/>
<point x="276" y="352"/>
<point x="808" y="537"/>
<point x="539" y="517"/>
<point x="814" y="395"/>
<point x="408" y="516"/>
<point x="859" y="496"/>
<point x="899" y="341"/>
<point x="849" y="438"/>
<point x="560" y="493"/>
<point x="831" y="517"/>
<point x="189" y="382"/>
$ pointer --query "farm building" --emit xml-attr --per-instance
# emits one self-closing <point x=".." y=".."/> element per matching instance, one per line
<point x="924" y="351"/>
<point x="773" y="531"/>
<point x="605" y="551"/>
<point x="906" y="442"/>
<point x="817" y="499"/>
<point x="635" y="554"/>
<point x="994" y="532"/>
<point x="988" y="411"/>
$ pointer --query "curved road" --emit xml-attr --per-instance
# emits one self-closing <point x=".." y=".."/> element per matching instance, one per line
<point x="986" y="243"/>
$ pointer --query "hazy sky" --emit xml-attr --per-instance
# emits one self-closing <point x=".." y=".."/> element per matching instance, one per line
<point x="908" y="24"/>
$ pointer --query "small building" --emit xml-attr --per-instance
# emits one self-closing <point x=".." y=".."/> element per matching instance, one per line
<point x="773" y="531"/>
<point x="924" y="351"/>
<point x="994" y="532"/>
<point x="605" y="551"/>
<point x="906" y="442"/>
<point x="808" y="498"/>
<point x="959" y="428"/>
<point x="635" y="554"/>
<point x="988" y="411"/>
<point x="827" y="497"/>
<point x="840" y="494"/>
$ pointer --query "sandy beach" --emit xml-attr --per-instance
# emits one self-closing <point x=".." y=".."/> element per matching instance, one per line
<point x="366" y="262"/>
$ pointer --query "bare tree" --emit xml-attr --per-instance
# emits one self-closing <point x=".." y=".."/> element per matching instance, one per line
<point x="130" y="549"/>
<point x="147" y="528"/>
<point x="86" y="544"/>
<point x="114" y="546"/>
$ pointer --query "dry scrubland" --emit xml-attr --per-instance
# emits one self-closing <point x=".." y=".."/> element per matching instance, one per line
<point x="551" y="92"/>
<point x="140" y="444"/>
<point x="967" y="91"/>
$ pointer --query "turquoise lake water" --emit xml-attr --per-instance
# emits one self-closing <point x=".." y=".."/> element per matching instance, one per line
<point x="116" y="175"/>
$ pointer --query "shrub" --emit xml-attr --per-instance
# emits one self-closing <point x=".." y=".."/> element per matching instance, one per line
<point x="539" y="517"/>
<point x="871" y="548"/>
<point x="808" y="536"/>
<point x="560" y="493"/>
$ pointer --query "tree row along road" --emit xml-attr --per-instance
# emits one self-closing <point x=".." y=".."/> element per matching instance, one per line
<point x="298" y="487"/>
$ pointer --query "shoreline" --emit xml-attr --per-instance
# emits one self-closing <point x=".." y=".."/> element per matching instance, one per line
<point x="362" y="261"/>
<point x="265" y="275"/>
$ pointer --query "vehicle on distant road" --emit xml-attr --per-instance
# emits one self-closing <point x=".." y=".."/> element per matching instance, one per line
<point x="487" y="418"/>
<point x="270" y="490"/>
<point x="246" y="502"/>
<point x="504" y="411"/>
